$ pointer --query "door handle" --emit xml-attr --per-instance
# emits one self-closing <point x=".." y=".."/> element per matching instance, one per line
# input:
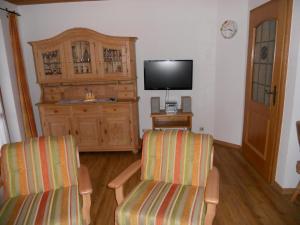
<point x="273" y="93"/>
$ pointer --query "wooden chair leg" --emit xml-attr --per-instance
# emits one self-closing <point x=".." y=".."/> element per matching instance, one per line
<point x="296" y="193"/>
<point x="210" y="214"/>
<point x="86" y="206"/>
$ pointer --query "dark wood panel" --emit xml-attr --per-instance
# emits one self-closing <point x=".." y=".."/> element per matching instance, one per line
<point x="32" y="2"/>
<point x="245" y="198"/>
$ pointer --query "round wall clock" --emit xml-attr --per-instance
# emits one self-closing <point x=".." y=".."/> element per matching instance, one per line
<point x="229" y="29"/>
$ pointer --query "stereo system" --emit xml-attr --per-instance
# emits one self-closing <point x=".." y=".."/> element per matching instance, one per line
<point x="171" y="107"/>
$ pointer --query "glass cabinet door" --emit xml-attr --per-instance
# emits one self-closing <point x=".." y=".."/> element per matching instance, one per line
<point x="114" y="61"/>
<point x="82" y="60"/>
<point x="51" y="66"/>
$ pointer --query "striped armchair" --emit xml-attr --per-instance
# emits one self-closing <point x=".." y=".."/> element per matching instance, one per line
<point x="179" y="184"/>
<point x="43" y="183"/>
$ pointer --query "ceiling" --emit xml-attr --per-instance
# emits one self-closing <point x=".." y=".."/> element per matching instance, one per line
<point x="31" y="2"/>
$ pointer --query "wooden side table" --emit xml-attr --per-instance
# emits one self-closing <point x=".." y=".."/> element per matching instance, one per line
<point x="176" y="120"/>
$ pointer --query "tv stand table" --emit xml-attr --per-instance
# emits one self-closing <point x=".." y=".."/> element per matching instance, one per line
<point x="180" y="119"/>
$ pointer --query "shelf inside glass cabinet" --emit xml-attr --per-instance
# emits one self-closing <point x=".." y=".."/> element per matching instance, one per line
<point x="81" y="53"/>
<point x="52" y="63"/>
<point x="113" y="62"/>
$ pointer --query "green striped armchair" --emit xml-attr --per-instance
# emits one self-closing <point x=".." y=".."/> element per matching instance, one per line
<point x="44" y="183"/>
<point x="179" y="184"/>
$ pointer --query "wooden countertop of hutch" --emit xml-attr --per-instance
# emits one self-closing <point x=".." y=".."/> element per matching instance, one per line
<point x="88" y="103"/>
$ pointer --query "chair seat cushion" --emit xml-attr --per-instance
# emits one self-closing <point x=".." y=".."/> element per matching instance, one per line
<point x="160" y="203"/>
<point x="61" y="206"/>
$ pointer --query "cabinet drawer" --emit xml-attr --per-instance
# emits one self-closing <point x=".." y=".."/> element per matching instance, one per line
<point x="126" y="87"/>
<point x="52" y="97"/>
<point x="56" y="110"/>
<point x="115" y="109"/>
<point x="86" y="109"/>
<point x="126" y="94"/>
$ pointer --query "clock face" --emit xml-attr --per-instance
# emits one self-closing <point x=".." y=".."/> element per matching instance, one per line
<point x="228" y="29"/>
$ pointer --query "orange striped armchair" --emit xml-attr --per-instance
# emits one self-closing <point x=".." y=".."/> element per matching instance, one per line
<point x="179" y="184"/>
<point x="44" y="183"/>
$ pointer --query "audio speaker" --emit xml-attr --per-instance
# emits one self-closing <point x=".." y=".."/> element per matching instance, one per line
<point x="186" y="103"/>
<point x="155" y="104"/>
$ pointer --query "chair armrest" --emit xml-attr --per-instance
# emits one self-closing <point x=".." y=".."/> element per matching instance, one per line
<point x="211" y="194"/>
<point x="84" y="181"/>
<point x="125" y="175"/>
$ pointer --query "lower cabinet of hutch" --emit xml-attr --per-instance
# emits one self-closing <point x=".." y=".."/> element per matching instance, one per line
<point x="87" y="130"/>
<point x="117" y="131"/>
<point x="56" y="125"/>
<point x="98" y="127"/>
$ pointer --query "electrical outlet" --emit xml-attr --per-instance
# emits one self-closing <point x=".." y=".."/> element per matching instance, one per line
<point x="201" y="129"/>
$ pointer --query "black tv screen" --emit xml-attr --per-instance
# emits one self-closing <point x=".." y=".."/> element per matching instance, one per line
<point x="168" y="74"/>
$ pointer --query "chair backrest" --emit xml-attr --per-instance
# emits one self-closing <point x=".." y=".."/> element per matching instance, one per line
<point x="38" y="165"/>
<point x="174" y="156"/>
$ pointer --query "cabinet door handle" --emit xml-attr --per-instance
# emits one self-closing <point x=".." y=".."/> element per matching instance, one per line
<point x="76" y="132"/>
<point x="84" y="110"/>
<point x="69" y="132"/>
<point x="105" y="131"/>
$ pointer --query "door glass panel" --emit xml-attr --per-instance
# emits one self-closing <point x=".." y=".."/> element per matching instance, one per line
<point x="52" y="63"/>
<point x="81" y="53"/>
<point x="254" y="92"/>
<point x="263" y="61"/>
<point x="113" y="60"/>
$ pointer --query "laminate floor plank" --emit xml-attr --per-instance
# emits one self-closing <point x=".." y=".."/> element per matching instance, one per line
<point x="245" y="198"/>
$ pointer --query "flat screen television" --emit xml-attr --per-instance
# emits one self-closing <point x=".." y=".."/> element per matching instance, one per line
<point x="168" y="74"/>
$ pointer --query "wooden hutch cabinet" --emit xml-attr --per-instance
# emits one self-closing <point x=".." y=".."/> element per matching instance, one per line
<point x="88" y="85"/>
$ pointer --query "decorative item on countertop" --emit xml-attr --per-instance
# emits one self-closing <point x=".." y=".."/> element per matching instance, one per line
<point x="89" y="97"/>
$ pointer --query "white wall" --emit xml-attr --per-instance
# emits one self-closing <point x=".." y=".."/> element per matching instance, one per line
<point x="165" y="30"/>
<point x="289" y="148"/>
<point x="231" y="60"/>
<point x="8" y="79"/>
<point x="256" y="3"/>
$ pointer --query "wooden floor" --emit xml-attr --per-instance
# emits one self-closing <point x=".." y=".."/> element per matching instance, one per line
<point x="245" y="199"/>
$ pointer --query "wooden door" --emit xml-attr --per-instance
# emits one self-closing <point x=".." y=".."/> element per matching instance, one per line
<point x="266" y="73"/>
<point x="56" y="126"/>
<point x="117" y="130"/>
<point x="87" y="130"/>
<point x="81" y="59"/>
<point x="50" y="63"/>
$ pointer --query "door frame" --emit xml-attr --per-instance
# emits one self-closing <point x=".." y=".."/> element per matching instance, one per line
<point x="287" y="16"/>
